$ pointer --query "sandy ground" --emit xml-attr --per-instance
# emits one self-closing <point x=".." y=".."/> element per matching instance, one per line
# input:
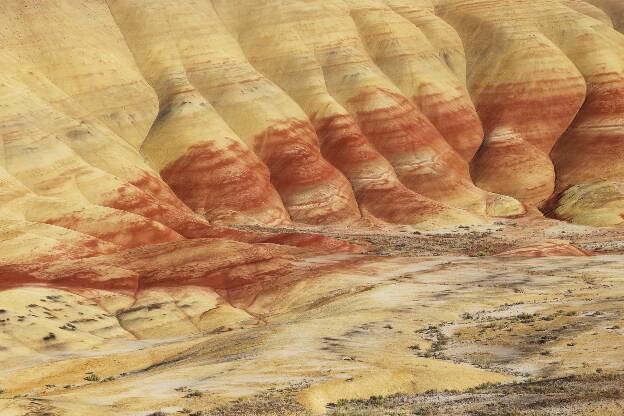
<point x="429" y="313"/>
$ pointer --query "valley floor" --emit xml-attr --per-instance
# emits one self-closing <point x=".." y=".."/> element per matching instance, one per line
<point x="343" y="334"/>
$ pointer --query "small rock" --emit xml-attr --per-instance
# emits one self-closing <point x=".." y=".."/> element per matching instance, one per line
<point x="49" y="337"/>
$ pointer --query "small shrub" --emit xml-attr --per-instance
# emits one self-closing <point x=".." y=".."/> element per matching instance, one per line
<point x="92" y="377"/>
<point x="466" y="315"/>
<point x="375" y="400"/>
<point x="525" y="317"/>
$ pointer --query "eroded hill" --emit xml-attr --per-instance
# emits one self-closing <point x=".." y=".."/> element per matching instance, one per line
<point x="184" y="183"/>
<point x="121" y="116"/>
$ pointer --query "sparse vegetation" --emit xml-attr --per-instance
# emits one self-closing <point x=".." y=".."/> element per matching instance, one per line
<point x="525" y="317"/>
<point x="466" y="315"/>
<point x="92" y="377"/>
<point x="68" y="327"/>
<point x="438" y="341"/>
<point x="549" y="397"/>
<point x="269" y="403"/>
<point x="194" y="393"/>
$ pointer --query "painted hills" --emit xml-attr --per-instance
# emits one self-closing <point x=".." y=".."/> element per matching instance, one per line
<point x="175" y="173"/>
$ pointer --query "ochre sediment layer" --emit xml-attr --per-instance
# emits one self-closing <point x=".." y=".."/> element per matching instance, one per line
<point x="181" y="168"/>
<point x="135" y="122"/>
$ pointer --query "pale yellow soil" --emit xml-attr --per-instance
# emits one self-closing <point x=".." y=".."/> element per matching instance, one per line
<point x="375" y="326"/>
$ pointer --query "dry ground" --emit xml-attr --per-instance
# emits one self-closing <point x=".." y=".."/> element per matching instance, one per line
<point x="544" y="335"/>
<point x="484" y="240"/>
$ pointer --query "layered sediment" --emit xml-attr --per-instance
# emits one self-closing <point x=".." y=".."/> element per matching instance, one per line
<point x="133" y="123"/>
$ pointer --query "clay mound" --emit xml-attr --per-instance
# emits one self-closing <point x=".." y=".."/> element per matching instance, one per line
<point x="141" y="139"/>
<point x="598" y="203"/>
<point x="548" y="248"/>
<point x="219" y="264"/>
<point x="571" y="108"/>
<point x="140" y="123"/>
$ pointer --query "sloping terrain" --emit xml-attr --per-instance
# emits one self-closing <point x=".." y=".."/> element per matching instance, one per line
<point x="160" y="115"/>
<point x="372" y="327"/>
<point x="188" y="186"/>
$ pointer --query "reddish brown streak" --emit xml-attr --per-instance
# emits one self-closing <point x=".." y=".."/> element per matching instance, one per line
<point x="344" y="145"/>
<point x="207" y="178"/>
<point x="456" y="121"/>
<point x="290" y="150"/>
